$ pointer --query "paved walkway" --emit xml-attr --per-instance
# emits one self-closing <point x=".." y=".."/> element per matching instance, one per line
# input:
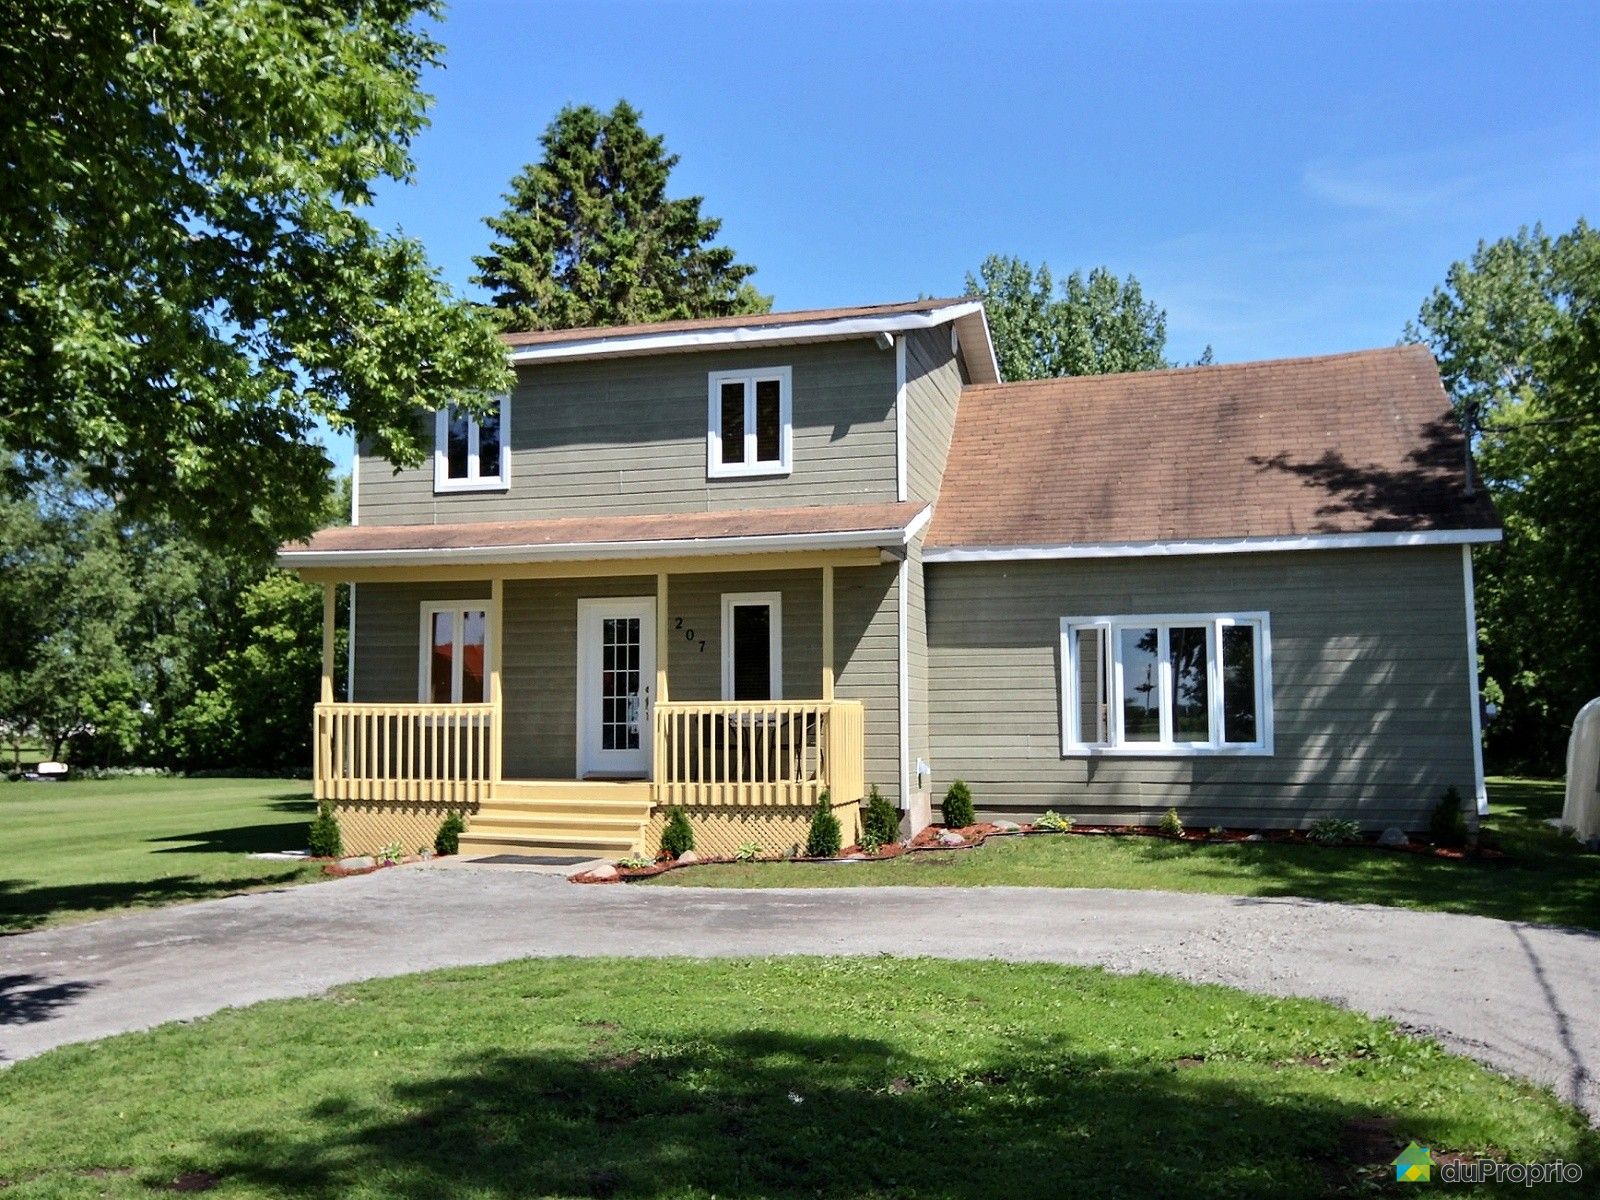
<point x="1524" y="999"/>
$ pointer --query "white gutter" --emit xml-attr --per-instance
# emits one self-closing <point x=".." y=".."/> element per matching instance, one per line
<point x="748" y="335"/>
<point x="1248" y="545"/>
<point x="850" y="539"/>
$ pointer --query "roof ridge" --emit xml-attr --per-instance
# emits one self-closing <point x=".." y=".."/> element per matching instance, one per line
<point x="797" y="316"/>
<point x="1400" y="348"/>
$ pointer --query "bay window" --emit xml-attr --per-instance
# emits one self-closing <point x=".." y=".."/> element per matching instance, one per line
<point x="1166" y="686"/>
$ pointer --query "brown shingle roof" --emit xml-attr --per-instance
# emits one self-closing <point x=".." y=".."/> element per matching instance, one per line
<point x="602" y="531"/>
<point x="545" y="337"/>
<point x="1348" y="443"/>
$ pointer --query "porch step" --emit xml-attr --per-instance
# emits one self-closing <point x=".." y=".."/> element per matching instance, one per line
<point x="598" y="818"/>
<point x="484" y="844"/>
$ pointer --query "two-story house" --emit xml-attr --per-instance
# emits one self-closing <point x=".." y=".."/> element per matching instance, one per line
<point x="742" y="565"/>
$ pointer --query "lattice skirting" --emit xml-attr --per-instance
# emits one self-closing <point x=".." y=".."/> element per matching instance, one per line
<point x="719" y="830"/>
<point x="367" y="826"/>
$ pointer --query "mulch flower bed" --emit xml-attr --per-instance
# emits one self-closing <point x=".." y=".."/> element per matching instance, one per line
<point x="972" y="836"/>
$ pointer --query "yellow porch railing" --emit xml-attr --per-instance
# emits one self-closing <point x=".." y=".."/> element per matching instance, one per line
<point x="778" y="752"/>
<point x="432" y="753"/>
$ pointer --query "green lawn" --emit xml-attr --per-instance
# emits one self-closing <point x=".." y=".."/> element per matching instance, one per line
<point x="1549" y="878"/>
<point x="784" y="1077"/>
<point x="77" y="850"/>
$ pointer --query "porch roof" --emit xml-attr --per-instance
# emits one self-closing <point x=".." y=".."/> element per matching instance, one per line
<point x="887" y="526"/>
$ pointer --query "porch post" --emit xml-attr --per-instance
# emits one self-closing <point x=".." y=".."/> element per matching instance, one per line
<point x="827" y="632"/>
<point x="497" y="624"/>
<point x="661" y="637"/>
<point x="328" y="592"/>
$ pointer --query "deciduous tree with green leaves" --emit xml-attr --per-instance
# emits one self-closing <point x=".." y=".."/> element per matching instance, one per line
<point x="590" y="237"/>
<point x="187" y="282"/>
<point x="1516" y="330"/>
<point x="1094" y="324"/>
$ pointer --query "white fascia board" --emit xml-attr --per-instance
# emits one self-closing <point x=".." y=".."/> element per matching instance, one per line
<point x="750" y="335"/>
<point x="1255" y="545"/>
<point x="850" y="539"/>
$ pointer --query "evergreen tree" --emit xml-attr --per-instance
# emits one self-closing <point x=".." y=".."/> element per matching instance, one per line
<point x="589" y="236"/>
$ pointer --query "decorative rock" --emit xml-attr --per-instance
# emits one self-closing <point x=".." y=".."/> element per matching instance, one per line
<point x="1007" y="826"/>
<point x="604" y="871"/>
<point x="1393" y="837"/>
<point x="688" y="856"/>
<point x="359" y="863"/>
<point x="1256" y="837"/>
<point x="950" y="837"/>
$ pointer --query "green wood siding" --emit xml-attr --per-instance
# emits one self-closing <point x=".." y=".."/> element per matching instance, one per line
<point x="1370" y="686"/>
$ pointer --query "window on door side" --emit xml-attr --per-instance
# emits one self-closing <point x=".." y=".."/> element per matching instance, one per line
<point x="749" y="423"/>
<point x="455" y="653"/>
<point x="472" y="454"/>
<point x="752" y="646"/>
<point x="1166" y="686"/>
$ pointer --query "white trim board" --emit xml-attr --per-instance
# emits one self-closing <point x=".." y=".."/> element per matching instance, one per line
<point x="902" y="604"/>
<point x="1246" y="545"/>
<point x="900" y="416"/>
<point x="750" y="335"/>
<point x="1480" y="788"/>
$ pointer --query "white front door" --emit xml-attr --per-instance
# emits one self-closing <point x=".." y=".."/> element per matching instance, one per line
<point x="616" y="682"/>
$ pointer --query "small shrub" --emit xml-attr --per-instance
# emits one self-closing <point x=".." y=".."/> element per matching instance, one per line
<point x="747" y="852"/>
<point x="390" y="855"/>
<point x="678" y="836"/>
<point x="1217" y="831"/>
<point x="448" y="839"/>
<point x="822" y="839"/>
<point x="1170" y="824"/>
<point x="1448" y="824"/>
<point x="957" y="807"/>
<point x="1331" y="831"/>
<point x="1054" y="822"/>
<point x="324" y="838"/>
<point x="880" y="823"/>
<point x="635" y="862"/>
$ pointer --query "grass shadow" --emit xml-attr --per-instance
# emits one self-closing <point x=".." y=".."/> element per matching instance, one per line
<point x="236" y="839"/>
<point x="25" y="906"/>
<point x="772" y="1113"/>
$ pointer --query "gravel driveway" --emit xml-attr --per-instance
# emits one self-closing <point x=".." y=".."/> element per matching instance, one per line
<point x="1524" y="999"/>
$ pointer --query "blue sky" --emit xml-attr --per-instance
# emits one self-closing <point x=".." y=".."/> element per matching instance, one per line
<point x="1282" y="178"/>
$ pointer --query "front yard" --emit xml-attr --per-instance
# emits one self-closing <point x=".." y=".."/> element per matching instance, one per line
<point x="78" y="850"/>
<point x="1547" y="877"/>
<point x="778" y="1077"/>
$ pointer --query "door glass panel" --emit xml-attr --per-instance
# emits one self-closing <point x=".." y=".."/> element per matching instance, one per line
<point x="619" y="683"/>
<point x="474" y="627"/>
<point x="456" y="444"/>
<point x="733" y="422"/>
<point x="1093" y="712"/>
<point x="489" y="447"/>
<point x="1141" y="686"/>
<point x="1191" y="700"/>
<point x="440" y="660"/>
<point x="1239" y="684"/>
<point x="752" y="652"/>
<point x="769" y="421"/>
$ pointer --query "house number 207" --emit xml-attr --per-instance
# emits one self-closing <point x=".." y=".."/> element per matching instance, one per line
<point x="688" y="634"/>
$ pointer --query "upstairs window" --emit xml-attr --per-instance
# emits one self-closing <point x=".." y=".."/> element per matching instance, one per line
<point x="749" y="423"/>
<point x="470" y="454"/>
<point x="455" y="652"/>
<point x="1166" y="685"/>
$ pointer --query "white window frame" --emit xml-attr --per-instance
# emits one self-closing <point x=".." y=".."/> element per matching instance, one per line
<point x="474" y="482"/>
<point x="773" y="601"/>
<point x="749" y="468"/>
<point x="425" y="646"/>
<point x="1074" y="746"/>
